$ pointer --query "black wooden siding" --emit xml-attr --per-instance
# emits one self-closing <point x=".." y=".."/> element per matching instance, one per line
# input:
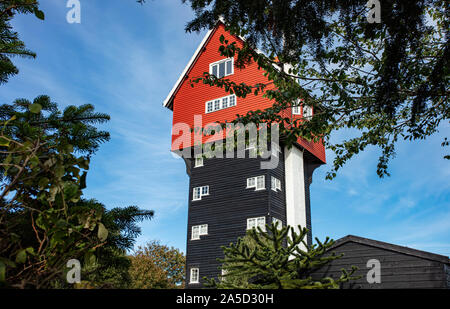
<point x="228" y="207"/>
<point x="401" y="268"/>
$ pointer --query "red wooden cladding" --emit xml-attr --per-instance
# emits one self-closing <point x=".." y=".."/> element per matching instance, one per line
<point x="189" y="101"/>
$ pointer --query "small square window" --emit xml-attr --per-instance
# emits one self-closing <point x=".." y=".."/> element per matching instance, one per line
<point x="216" y="105"/>
<point x="221" y="70"/>
<point x="261" y="223"/>
<point x="251" y="182"/>
<point x="197" y="194"/>
<point x="205" y="190"/>
<point x="195" y="232"/>
<point x="296" y="107"/>
<point x="256" y="222"/>
<point x="307" y="112"/>
<point x="256" y="182"/>
<point x="209" y="107"/>
<point x="194" y="275"/>
<point x="199" y="230"/>
<point x="232" y="100"/>
<point x="198" y="161"/>
<point x="275" y="184"/>
<point x="260" y="183"/>
<point x="251" y="223"/>
<point x="223" y="275"/>
<point x="204" y="229"/>
<point x="225" y="102"/>
<point x="278" y="223"/>
<point x="230" y="66"/>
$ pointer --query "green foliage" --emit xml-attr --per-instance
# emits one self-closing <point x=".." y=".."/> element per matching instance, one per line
<point x="384" y="82"/>
<point x="112" y="265"/>
<point x="156" y="266"/>
<point x="44" y="157"/>
<point x="277" y="259"/>
<point x="43" y="224"/>
<point x="10" y="44"/>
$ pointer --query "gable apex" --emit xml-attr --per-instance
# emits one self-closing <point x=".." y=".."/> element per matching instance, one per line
<point x="169" y="99"/>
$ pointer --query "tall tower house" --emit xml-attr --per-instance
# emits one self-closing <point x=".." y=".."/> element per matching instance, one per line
<point x="227" y="196"/>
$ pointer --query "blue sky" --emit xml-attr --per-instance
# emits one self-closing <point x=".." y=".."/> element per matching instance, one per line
<point x="124" y="58"/>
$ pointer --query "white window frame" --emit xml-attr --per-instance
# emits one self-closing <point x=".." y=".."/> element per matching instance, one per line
<point x="258" y="222"/>
<point x="296" y="108"/>
<point x="280" y="223"/>
<point x="191" y="277"/>
<point x="232" y="98"/>
<point x="223" y="274"/>
<point x="198" y="197"/>
<point x="275" y="184"/>
<point x="252" y="182"/>
<point x="209" y="104"/>
<point x="198" y="162"/>
<point x="201" y="229"/>
<point x="310" y="112"/>
<point x="217" y="104"/>
<point x="263" y="187"/>
<point x="211" y="65"/>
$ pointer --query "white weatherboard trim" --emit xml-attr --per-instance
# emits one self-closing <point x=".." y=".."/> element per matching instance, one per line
<point x="295" y="188"/>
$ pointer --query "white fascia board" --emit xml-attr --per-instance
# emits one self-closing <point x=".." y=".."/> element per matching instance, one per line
<point x="188" y="66"/>
<point x="194" y="57"/>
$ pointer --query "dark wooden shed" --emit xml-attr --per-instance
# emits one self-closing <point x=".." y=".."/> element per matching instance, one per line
<point x="387" y="266"/>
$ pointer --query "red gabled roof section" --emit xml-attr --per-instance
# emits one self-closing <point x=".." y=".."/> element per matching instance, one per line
<point x="188" y="102"/>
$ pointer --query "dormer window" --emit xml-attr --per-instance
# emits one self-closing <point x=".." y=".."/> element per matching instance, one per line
<point x="222" y="68"/>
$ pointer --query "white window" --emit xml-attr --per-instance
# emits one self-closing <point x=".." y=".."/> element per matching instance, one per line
<point x="251" y="182"/>
<point x="275" y="184"/>
<point x="225" y="102"/>
<point x="217" y="104"/>
<point x="199" y="192"/>
<point x="277" y="222"/>
<point x="205" y="190"/>
<point x="256" y="222"/>
<point x="198" y="161"/>
<point x="232" y="100"/>
<point x="209" y="107"/>
<point x="194" y="275"/>
<point x="296" y="108"/>
<point x="220" y="103"/>
<point x="307" y="112"/>
<point x="199" y="230"/>
<point x="222" y="68"/>
<point x="258" y="183"/>
<point x="223" y="274"/>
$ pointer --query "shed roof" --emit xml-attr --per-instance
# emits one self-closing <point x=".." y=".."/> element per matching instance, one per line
<point x="391" y="247"/>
